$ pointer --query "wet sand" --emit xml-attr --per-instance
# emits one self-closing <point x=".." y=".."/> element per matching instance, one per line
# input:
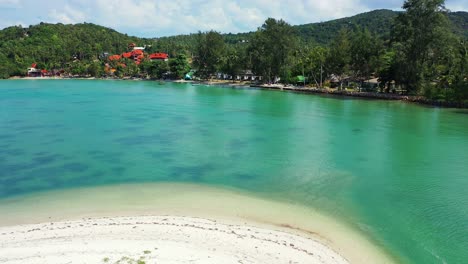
<point x="184" y="221"/>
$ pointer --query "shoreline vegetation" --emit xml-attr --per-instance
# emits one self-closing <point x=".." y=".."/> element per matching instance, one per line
<point x="171" y="223"/>
<point x="381" y="54"/>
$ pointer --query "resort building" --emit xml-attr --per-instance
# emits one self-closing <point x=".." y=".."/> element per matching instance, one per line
<point x="159" y="57"/>
<point x="137" y="54"/>
<point x="33" y="72"/>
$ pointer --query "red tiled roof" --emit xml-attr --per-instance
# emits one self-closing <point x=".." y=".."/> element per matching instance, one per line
<point x="159" y="56"/>
<point x="137" y="52"/>
<point x="127" y="54"/>
<point x="114" y="57"/>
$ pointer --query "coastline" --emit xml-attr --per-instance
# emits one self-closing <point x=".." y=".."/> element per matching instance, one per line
<point x="160" y="239"/>
<point x="421" y="100"/>
<point x="227" y="207"/>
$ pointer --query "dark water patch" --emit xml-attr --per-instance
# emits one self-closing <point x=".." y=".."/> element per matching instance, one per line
<point x="108" y="157"/>
<point x="180" y="120"/>
<point x="95" y="153"/>
<point x="11" y="152"/>
<point x="138" y="120"/>
<point x="118" y="171"/>
<point x="357" y="130"/>
<point x="5" y="146"/>
<point x="236" y="155"/>
<point x="145" y="140"/>
<point x="362" y="159"/>
<point x="15" y="169"/>
<point x="238" y="143"/>
<point x="37" y="127"/>
<point x="14" y="121"/>
<point x="194" y="173"/>
<point x="7" y="137"/>
<point x="29" y="173"/>
<point x="161" y="155"/>
<point x="53" y="141"/>
<point x="37" y="162"/>
<point x="75" y="167"/>
<point x="83" y="102"/>
<point x="202" y="130"/>
<point x="47" y="159"/>
<point x="259" y="139"/>
<point x="130" y="129"/>
<point x="244" y="176"/>
<point x="463" y="112"/>
<point x="295" y="129"/>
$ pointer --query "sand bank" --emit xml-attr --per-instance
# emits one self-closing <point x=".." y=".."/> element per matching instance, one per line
<point x="262" y="228"/>
<point x="157" y="240"/>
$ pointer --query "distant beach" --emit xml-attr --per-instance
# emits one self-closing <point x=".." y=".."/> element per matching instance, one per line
<point x="113" y="223"/>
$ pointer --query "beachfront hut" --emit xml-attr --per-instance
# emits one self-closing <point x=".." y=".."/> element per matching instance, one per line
<point x="33" y="72"/>
<point x="300" y="79"/>
<point x="371" y="84"/>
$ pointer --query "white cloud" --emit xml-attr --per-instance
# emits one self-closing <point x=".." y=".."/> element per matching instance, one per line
<point x="66" y="15"/>
<point x="7" y="3"/>
<point x="169" y="17"/>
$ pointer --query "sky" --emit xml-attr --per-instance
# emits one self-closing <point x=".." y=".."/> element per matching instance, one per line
<point x="155" y="18"/>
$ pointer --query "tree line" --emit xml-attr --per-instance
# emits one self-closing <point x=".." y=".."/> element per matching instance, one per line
<point x="422" y="52"/>
<point x="420" y="56"/>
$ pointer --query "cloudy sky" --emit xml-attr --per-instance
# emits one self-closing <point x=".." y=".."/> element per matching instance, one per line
<point x="153" y="18"/>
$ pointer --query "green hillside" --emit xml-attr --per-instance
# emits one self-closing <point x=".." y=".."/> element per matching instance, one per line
<point x="55" y="45"/>
<point x="378" y="22"/>
<point x="460" y="23"/>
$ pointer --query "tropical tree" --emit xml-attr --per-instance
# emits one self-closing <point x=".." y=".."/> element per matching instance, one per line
<point x="235" y="60"/>
<point x="179" y="66"/>
<point x="420" y="29"/>
<point x="365" y="50"/>
<point x="271" y="49"/>
<point x="339" y="57"/>
<point x="210" y="49"/>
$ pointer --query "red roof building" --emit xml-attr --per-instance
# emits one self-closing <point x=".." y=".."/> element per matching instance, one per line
<point x="127" y="55"/>
<point x="159" y="56"/>
<point x="114" y="57"/>
<point x="137" y="53"/>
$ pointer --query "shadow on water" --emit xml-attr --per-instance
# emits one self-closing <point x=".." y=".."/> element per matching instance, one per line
<point x="463" y="112"/>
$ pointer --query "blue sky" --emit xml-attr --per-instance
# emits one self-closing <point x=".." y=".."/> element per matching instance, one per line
<point x="153" y="18"/>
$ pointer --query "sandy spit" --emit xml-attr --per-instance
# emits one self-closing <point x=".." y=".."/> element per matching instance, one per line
<point x="157" y="239"/>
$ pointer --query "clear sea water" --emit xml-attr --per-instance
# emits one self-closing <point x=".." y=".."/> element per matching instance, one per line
<point x="397" y="172"/>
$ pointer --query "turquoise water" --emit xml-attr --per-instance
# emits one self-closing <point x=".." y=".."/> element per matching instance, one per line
<point x="396" y="171"/>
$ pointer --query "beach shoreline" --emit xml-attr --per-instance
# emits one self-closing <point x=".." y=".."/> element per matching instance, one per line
<point x="226" y="207"/>
<point x="161" y="239"/>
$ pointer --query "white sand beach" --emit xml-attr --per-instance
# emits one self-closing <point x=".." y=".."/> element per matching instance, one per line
<point x="172" y="223"/>
<point x="157" y="239"/>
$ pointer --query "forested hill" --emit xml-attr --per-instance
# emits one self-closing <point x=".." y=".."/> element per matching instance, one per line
<point x="378" y="22"/>
<point x="55" y="45"/>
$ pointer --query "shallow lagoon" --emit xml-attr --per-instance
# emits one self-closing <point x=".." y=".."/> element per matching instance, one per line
<point x="395" y="171"/>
